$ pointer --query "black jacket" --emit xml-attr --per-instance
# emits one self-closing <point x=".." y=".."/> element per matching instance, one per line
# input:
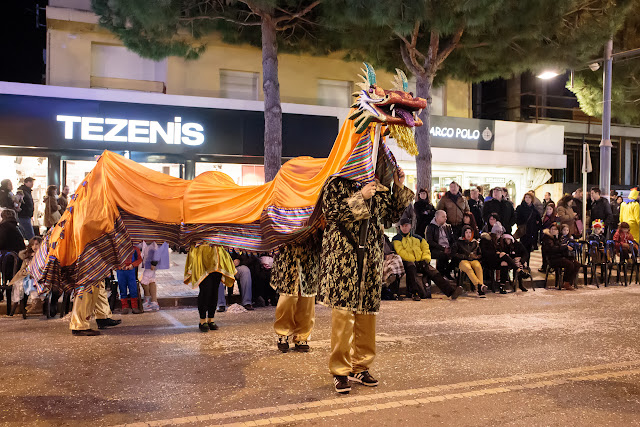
<point x="553" y="249"/>
<point x="467" y="250"/>
<point x="11" y="238"/>
<point x="5" y="199"/>
<point x="601" y="209"/>
<point x="27" y="203"/>
<point x="505" y="212"/>
<point x="433" y="235"/>
<point x="489" y="249"/>
<point x="424" y="212"/>
<point x="475" y="206"/>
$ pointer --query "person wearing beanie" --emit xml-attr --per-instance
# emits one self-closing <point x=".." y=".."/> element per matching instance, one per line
<point x="468" y="256"/>
<point x="416" y="256"/>
<point x="630" y="213"/>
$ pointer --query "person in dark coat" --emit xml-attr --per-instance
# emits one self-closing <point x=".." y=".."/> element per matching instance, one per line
<point x="11" y="238"/>
<point x="529" y="222"/>
<point x="615" y="212"/>
<point x="601" y="209"/>
<point x="455" y="205"/>
<point x="476" y="204"/>
<point x="503" y="208"/>
<point x="559" y="255"/>
<point x="424" y="212"/>
<point x="26" y="208"/>
<point x="547" y="200"/>
<point x="441" y="240"/>
<point x="494" y="256"/>
<point x="6" y="195"/>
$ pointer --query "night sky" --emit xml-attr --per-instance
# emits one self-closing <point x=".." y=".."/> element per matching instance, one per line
<point x="21" y="43"/>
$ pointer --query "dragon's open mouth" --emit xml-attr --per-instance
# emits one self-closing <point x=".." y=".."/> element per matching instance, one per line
<point x="404" y="114"/>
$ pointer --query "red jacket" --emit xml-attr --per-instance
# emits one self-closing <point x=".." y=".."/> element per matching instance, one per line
<point x="619" y="238"/>
<point x="136" y="258"/>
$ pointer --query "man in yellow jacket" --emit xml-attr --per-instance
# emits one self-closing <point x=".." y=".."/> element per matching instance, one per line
<point x="630" y="213"/>
<point x="416" y="256"/>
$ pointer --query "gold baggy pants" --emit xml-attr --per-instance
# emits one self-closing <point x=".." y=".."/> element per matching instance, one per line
<point x="84" y="307"/>
<point x="473" y="269"/>
<point x="295" y="317"/>
<point x="353" y="342"/>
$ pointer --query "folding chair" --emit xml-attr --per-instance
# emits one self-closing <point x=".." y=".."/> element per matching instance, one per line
<point x="558" y="273"/>
<point x="598" y="258"/>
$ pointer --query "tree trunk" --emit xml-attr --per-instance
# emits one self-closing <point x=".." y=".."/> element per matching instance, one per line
<point x="272" y="107"/>
<point x="424" y="84"/>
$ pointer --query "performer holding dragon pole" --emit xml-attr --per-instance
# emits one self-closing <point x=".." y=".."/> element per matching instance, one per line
<point x="356" y="209"/>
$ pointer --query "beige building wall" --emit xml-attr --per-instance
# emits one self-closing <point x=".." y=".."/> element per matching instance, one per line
<point x="69" y="48"/>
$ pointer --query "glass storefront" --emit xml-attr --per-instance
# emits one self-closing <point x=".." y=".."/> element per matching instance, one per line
<point x="17" y="168"/>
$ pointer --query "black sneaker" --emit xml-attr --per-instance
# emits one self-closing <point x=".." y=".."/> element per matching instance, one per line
<point x="481" y="290"/>
<point x="248" y="307"/>
<point x="415" y="297"/>
<point x="502" y="289"/>
<point x="283" y="343"/>
<point x="341" y="384"/>
<point x="457" y="292"/>
<point x="221" y="309"/>
<point x="363" y="378"/>
<point x="103" y="323"/>
<point x="204" y="327"/>
<point x="212" y="326"/>
<point x="85" y="332"/>
<point x="302" y="347"/>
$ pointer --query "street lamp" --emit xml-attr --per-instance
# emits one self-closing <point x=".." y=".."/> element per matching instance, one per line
<point x="546" y="75"/>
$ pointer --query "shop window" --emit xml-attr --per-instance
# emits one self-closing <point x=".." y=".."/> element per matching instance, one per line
<point x="17" y="168"/>
<point x="335" y="93"/>
<point x="116" y="67"/>
<point x="239" y="84"/>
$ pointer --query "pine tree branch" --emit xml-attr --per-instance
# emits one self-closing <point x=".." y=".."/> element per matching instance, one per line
<point x="414" y="67"/>
<point x="245" y="23"/>
<point x="292" y="16"/>
<point x="432" y="53"/>
<point x="453" y="43"/>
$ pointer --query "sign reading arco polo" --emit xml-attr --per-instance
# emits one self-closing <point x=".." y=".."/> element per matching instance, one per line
<point x="455" y="132"/>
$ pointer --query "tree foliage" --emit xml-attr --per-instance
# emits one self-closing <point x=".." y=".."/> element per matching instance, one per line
<point x="625" y="87"/>
<point x="471" y="40"/>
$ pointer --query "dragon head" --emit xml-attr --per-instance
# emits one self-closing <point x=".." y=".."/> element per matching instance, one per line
<point x="398" y="109"/>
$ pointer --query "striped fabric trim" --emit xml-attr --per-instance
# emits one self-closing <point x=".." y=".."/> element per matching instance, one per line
<point x="359" y="166"/>
<point x="240" y="236"/>
<point x="145" y="230"/>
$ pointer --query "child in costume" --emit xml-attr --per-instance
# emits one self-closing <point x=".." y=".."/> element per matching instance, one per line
<point x="128" y="283"/>
<point x="624" y="240"/>
<point x="295" y="277"/>
<point x="22" y="283"/>
<point x="630" y="213"/>
<point x="597" y="237"/>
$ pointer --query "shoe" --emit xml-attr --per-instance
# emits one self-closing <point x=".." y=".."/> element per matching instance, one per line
<point x="363" y="378"/>
<point x="522" y="288"/>
<point x="204" y="327"/>
<point x="428" y="289"/>
<point x="415" y="297"/>
<point x="147" y="306"/>
<point x="103" y="323"/>
<point x="134" y="306"/>
<point x="283" y="343"/>
<point x="212" y="326"/>
<point x="155" y="306"/>
<point x="525" y="274"/>
<point x="457" y="292"/>
<point x="482" y="289"/>
<point x="248" y="307"/>
<point x="542" y="270"/>
<point x="221" y="309"/>
<point x="502" y="289"/>
<point x="567" y="286"/>
<point x="85" y="332"/>
<point x="125" y="306"/>
<point x="341" y="384"/>
<point x="301" y="346"/>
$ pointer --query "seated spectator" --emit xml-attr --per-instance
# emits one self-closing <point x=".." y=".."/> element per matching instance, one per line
<point x="598" y="237"/>
<point x="623" y="240"/>
<point x="11" y="238"/>
<point x="559" y="256"/>
<point x="548" y="218"/>
<point x="469" y="220"/>
<point x="243" y="279"/>
<point x="565" y="235"/>
<point x="440" y="239"/>
<point x="520" y="256"/>
<point x="492" y="222"/>
<point x="416" y="257"/>
<point x="468" y="257"/>
<point x="494" y="257"/>
<point x="567" y="214"/>
<point x="392" y="271"/>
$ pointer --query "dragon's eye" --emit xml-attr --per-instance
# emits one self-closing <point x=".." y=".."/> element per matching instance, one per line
<point x="371" y="89"/>
<point x="411" y="93"/>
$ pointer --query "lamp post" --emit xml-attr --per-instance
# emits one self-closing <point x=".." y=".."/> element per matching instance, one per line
<point x="605" y="144"/>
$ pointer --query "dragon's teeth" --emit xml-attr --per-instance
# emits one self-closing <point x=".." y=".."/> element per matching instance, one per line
<point x="420" y="111"/>
<point x="392" y="106"/>
<point x="393" y="113"/>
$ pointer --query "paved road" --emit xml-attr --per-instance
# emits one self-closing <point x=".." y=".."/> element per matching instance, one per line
<point x="541" y="358"/>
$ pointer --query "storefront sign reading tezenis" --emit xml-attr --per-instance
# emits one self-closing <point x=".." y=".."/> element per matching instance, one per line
<point x="135" y="131"/>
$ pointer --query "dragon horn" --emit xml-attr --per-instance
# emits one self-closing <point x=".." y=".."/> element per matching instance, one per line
<point x="371" y="73"/>
<point x="403" y="78"/>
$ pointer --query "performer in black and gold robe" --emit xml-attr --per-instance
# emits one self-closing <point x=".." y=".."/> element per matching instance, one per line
<point x="295" y="276"/>
<point x="351" y="287"/>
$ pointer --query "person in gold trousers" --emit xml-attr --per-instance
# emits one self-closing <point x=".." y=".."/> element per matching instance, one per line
<point x="351" y="276"/>
<point x="295" y="277"/>
<point x="92" y="301"/>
